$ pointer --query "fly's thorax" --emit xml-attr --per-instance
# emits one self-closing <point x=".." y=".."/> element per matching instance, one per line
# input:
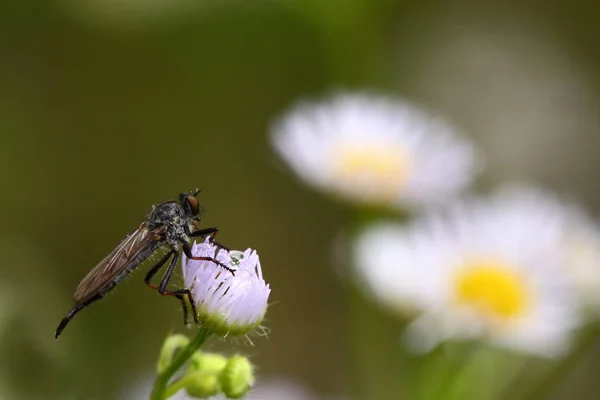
<point x="175" y="232"/>
<point x="169" y="212"/>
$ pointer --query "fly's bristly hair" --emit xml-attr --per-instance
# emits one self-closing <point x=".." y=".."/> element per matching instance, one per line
<point x="166" y="234"/>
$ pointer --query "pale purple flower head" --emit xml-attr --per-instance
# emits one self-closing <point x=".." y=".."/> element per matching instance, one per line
<point x="227" y="303"/>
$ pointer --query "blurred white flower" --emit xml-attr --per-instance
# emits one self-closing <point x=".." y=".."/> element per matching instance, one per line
<point x="382" y="256"/>
<point x="374" y="149"/>
<point x="578" y="236"/>
<point x="584" y="267"/>
<point x="492" y="269"/>
<point x="227" y="303"/>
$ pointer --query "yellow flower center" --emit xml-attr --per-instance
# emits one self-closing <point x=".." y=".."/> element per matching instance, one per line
<point x="492" y="289"/>
<point x="378" y="172"/>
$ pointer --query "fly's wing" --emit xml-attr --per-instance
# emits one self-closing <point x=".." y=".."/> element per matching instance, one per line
<point x="115" y="263"/>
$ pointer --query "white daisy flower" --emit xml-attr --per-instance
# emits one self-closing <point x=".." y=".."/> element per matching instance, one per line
<point x="374" y="149"/>
<point x="579" y="238"/>
<point x="227" y="304"/>
<point x="490" y="269"/>
<point x="583" y="246"/>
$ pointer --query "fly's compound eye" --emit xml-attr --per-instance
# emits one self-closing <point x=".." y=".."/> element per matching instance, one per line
<point x="193" y="204"/>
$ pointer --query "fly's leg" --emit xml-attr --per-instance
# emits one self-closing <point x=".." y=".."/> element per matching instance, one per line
<point x="200" y="232"/>
<point x="155" y="269"/>
<point x="179" y="294"/>
<point x="211" y="233"/>
<point x="188" y="252"/>
<point x="78" y="307"/>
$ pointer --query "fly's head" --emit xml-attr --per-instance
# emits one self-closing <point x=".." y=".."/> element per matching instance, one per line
<point x="191" y="207"/>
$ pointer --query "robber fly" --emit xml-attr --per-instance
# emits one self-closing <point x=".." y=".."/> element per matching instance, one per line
<point x="169" y="225"/>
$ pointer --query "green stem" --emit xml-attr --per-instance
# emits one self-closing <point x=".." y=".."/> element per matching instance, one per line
<point x="159" y="392"/>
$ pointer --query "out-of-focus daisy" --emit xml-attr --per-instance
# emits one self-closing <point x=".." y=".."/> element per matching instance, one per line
<point x="584" y="266"/>
<point x="490" y="269"/>
<point x="578" y="236"/>
<point x="383" y="257"/>
<point x="227" y="303"/>
<point x="374" y="149"/>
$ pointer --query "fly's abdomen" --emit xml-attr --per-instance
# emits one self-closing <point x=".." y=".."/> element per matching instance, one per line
<point x="111" y="271"/>
<point x="129" y="268"/>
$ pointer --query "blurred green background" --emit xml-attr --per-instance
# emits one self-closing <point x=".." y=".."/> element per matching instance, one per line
<point x="108" y="107"/>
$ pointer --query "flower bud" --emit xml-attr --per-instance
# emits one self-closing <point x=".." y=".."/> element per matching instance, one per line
<point x="237" y="378"/>
<point x="202" y="385"/>
<point x="207" y="362"/>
